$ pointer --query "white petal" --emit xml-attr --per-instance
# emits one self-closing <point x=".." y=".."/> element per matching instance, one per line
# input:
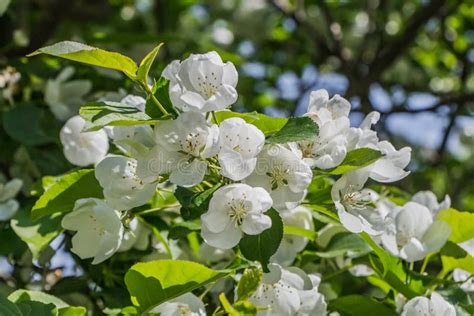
<point x="226" y="239"/>
<point x="254" y="224"/>
<point x="188" y="174"/>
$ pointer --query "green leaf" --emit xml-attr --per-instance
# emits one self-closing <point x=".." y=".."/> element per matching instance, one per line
<point x="36" y="234"/>
<point x="228" y="308"/>
<point x="296" y="129"/>
<point x="245" y="308"/>
<point x="342" y="243"/>
<point x="23" y="123"/>
<point x="7" y="308"/>
<point x="36" y="296"/>
<point x="72" y="311"/>
<point x="161" y="92"/>
<point x="299" y="231"/>
<point x="33" y="308"/>
<point x="262" y="246"/>
<point x="152" y="283"/>
<point x="268" y="125"/>
<point x="451" y="263"/>
<point x="66" y="190"/>
<point x="452" y="250"/>
<point x="90" y="55"/>
<point x="248" y="283"/>
<point x="183" y="229"/>
<point x="106" y="113"/>
<point x="358" y="305"/>
<point x="146" y="63"/>
<point x="356" y="159"/>
<point x="193" y="205"/>
<point x="461" y="223"/>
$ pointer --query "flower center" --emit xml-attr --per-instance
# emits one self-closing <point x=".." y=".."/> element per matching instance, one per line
<point x="356" y="200"/>
<point x="237" y="211"/>
<point x="307" y="149"/>
<point x="191" y="144"/>
<point x="278" y="176"/>
<point x="208" y="85"/>
<point x="184" y="310"/>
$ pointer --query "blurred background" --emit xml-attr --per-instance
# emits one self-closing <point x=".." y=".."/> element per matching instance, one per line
<point x="410" y="60"/>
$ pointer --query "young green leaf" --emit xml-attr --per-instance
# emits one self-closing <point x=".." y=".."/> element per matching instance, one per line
<point x="8" y="308"/>
<point x="296" y="129"/>
<point x="248" y="283"/>
<point x="160" y="91"/>
<point x="262" y="246"/>
<point x="105" y="113"/>
<point x="66" y="190"/>
<point x="268" y="125"/>
<point x="461" y="223"/>
<point x="152" y="283"/>
<point x="356" y="159"/>
<point x="193" y="205"/>
<point x="146" y="63"/>
<point x="90" y="55"/>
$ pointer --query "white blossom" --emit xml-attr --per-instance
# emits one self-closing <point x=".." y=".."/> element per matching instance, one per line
<point x="288" y="292"/>
<point x="283" y="174"/>
<point x="123" y="189"/>
<point x="390" y="167"/>
<point x="239" y="145"/>
<point x="235" y="209"/>
<point x="429" y="199"/>
<point x="182" y="146"/>
<point x="329" y="148"/>
<point x="291" y="245"/>
<point x="466" y="277"/>
<point x="201" y="83"/>
<point x="356" y="205"/>
<point x="99" y="229"/>
<point x="83" y="148"/>
<point x="8" y="205"/>
<point x="422" y="306"/>
<point x="65" y="97"/>
<point x="414" y="233"/>
<point x="185" y="305"/>
<point x="137" y="236"/>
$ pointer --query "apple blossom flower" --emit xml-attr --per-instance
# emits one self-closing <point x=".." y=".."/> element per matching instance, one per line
<point x="8" y="205"/>
<point x="390" y="167"/>
<point x="291" y="245"/>
<point x="65" y="97"/>
<point x="239" y="145"/>
<point x="135" y="236"/>
<point x="466" y="277"/>
<point x="83" y="148"/>
<point x="123" y="189"/>
<point x="287" y="292"/>
<point x="283" y="174"/>
<point x="429" y="199"/>
<point x="235" y="209"/>
<point x="422" y="306"/>
<point x="356" y="206"/>
<point x="201" y="83"/>
<point x="414" y="233"/>
<point x="186" y="305"/>
<point x="182" y="145"/>
<point x="99" y="229"/>
<point x="328" y="149"/>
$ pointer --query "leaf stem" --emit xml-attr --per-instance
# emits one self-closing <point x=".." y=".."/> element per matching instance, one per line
<point x="153" y="98"/>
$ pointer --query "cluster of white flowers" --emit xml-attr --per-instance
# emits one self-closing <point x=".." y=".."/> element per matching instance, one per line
<point x="253" y="177"/>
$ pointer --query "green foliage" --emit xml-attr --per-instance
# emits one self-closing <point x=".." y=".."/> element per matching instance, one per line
<point x="356" y="159"/>
<point x="193" y="205"/>
<point x="296" y="129"/>
<point x="63" y="191"/>
<point x="105" y="113"/>
<point x="248" y="283"/>
<point x="152" y="283"/>
<point x="268" y="125"/>
<point x="262" y="246"/>
<point x="461" y="223"/>
<point x="8" y="308"/>
<point x="146" y="63"/>
<point x="345" y="242"/>
<point x="357" y="305"/>
<point x="36" y="234"/>
<point x="90" y="55"/>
